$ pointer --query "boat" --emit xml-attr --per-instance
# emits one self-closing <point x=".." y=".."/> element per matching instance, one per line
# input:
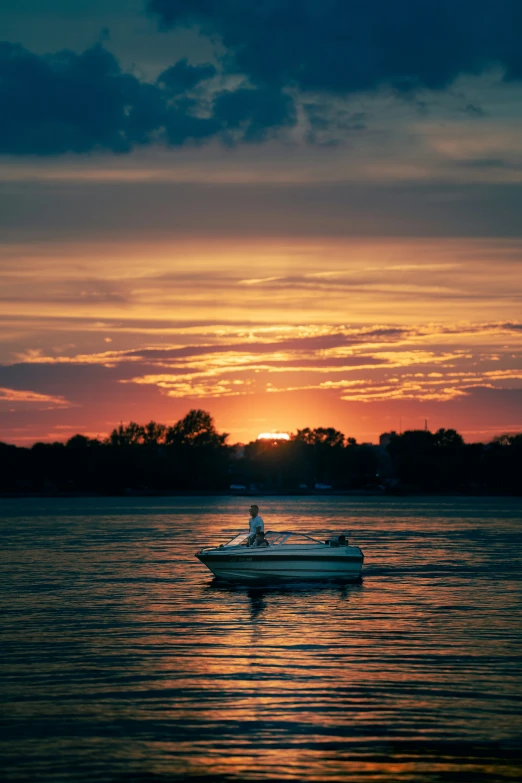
<point x="289" y="556"/>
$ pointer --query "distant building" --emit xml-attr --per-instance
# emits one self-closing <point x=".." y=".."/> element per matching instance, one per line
<point x="385" y="438"/>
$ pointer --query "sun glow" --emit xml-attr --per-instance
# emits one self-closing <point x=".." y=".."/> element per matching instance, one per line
<point x="273" y="436"/>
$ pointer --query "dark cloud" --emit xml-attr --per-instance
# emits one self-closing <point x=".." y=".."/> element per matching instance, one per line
<point x="344" y="46"/>
<point x="256" y="112"/>
<point x="71" y="102"/>
<point x="487" y="163"/>
<point x="182" y="77"/>
<point x="181" y="125"/>
<point x="72" y="380"/>
<point x="67" y="102"/>
<point x="474" y="111"/>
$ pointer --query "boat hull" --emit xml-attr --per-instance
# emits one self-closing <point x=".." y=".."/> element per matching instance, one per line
<point x="343" y="564"/>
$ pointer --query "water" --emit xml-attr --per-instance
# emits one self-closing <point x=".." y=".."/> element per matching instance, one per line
<point x="125" y="661"/>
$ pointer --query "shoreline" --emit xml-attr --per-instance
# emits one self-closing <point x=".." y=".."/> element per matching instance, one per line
<point x="259" y="494"/>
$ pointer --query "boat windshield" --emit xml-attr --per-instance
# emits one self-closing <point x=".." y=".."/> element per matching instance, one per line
<point x="298" y="538"/>
<point x="238" y="540"/>
<point x="275" y="538"/>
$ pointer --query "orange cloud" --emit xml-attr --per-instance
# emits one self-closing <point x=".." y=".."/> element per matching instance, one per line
<point x="22" y="395"/>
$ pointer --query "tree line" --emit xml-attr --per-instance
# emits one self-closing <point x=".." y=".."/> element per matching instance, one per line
<point x="192" y="456"/>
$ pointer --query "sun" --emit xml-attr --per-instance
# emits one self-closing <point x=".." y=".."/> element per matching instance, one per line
<point x="273" y="436"/>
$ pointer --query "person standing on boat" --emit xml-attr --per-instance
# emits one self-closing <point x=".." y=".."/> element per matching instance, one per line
<point x="256" y="522"/>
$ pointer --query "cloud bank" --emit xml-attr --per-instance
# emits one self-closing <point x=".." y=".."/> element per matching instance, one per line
<point x="277" y="66"/>
<point x="341" y="46"/>
<point x="66" y="102"/>
<point x="358" y="377"/>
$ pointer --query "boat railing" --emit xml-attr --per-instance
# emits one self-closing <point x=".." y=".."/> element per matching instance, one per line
<point x="281" y="537"/>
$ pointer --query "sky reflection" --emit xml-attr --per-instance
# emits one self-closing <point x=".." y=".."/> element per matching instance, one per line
<point x="121" y="647"/>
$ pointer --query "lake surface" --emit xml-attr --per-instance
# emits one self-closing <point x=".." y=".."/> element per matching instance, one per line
<point x="125" y="661"/>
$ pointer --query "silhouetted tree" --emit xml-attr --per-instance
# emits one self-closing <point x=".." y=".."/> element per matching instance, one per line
<point x="154" y="433"/>
<point x="195" y="429"/>
<point x="502" y="464"/>
<point x="448" y="439"/>
<point x="131" y="435"/>
<point x="199" y="451"/>
<point x="191" y="455"/>
<point x="82" y="442"/>
<point x="360" y="463"/>
<point x="326" y="436"/>
<point x="324" y="447"/>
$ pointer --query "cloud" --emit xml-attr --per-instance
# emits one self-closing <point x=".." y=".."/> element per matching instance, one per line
<point x="22" y="395"/>
<point x="66" y="102"/>
<point x="340" y="47"/>
<point x="351" y="372"/>
<point x="255" y="112"/>
<point x="181" y="77"/>
<point x="424" y="362"/>
<point x="278" y="67"/>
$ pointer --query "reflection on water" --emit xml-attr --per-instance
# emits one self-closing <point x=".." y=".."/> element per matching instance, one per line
<point x="257" y="604"/>
<point x="126" y="660"/>
<point x="289" y="593"/>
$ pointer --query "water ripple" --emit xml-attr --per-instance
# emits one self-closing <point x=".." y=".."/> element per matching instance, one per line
<point x="124" y="660"/>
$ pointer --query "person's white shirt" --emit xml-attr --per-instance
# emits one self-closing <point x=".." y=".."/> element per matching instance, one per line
<point x="256" y="522"/>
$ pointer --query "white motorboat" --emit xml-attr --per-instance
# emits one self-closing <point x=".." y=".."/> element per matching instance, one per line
<point x="288" y="557"/>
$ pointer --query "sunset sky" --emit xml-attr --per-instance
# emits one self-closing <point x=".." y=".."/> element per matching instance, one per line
<point x="289" y="213"/>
